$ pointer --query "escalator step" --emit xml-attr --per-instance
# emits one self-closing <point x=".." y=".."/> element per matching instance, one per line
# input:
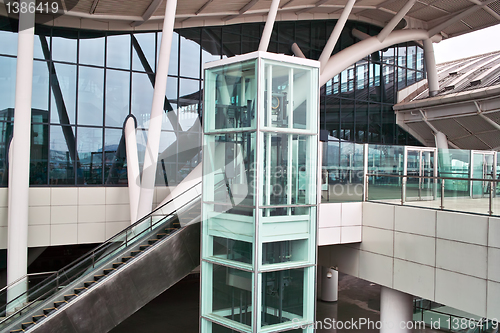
<point x="152" y="241"/>
<point x="27" y="325"/>
<point x="159" y="236"/>
<point x="48" y="311"/>
<point x="125" y="259"/>
<point x="108" y="271"/>
<point x="144" y="247"/>
<point x="89" y="284"/>
<point x="134" y="253"/>
<point x="17" y="331"/>
<point x="117" y="264"/>
<point x="38" y="318"/>
<point x="69" y="297"/>
<point x="80" y="290"/>
<point x="58" y="304"/>
<point x="170" y="230"/>
<point x="98" y="277"/>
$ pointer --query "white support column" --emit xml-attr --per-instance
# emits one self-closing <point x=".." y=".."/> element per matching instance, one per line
<point x="17" y="247"/>
<point x="268" y="28"/>
<point x="430" y="62"/>
<point x="133" y="173"/>
<point x="155" y="123"/>
<point x="441" y="140"/>
<point x="396" y="311"/>
<point x="395" y="20"/>
<point x="334" y="36"/>
<point x="329" y="284"/>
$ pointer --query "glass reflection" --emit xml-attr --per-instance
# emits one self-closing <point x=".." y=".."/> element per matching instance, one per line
<point x="7" y="83"/>
<point x="142" y="98"/>
<point x="63" y="100"/>
<point x="5" y="135"/>
<point x="118" y="48"/>
<point x="117" y="97"/>
<point x="89" y="155"/>
<point x="190" y="57"/>
<point x="144" y="51"/>
<point x="39" y="154"/>
<point x="115" y="168"/>
<point x="62" y="155"/>
<point x="92" y="51"/>
<point x="9" y="42"/>
<point x="90" y="96"/>
<point x="40" y="93"/>
<point x="64" y="49"/>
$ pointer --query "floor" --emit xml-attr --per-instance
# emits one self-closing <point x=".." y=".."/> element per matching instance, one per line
<point x="176" y="310"/>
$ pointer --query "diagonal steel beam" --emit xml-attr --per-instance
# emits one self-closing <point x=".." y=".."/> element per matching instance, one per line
<point x="242" y="11"/>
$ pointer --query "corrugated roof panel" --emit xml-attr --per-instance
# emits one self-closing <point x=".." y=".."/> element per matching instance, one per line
<point x="470" y="142"/>
<point x="422" y="129"/>
<point x="450" y="127"/>
<point x="491" y="138"/>
<point x="475" y="124"/>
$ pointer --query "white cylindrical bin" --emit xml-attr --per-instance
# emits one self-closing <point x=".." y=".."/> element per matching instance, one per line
<point x="329" y="284"/>
<point x="396" y="311"/>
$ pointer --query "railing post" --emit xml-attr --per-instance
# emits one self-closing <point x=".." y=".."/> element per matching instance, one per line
<point x="403" y="190"/>
<point x="442" y="194"/>
<point x="366" y="186"/>
<point x="491" y="198"/>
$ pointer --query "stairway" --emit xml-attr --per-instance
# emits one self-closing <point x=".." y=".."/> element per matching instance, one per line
<point x="104" y="287"/>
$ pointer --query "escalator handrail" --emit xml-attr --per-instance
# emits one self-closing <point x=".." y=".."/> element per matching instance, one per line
<point x="92" y="252"/>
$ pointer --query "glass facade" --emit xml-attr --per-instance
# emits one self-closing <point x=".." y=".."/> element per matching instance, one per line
<point x="85" y="84"/>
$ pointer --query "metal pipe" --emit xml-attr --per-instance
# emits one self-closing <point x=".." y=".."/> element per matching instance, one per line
<point x="268" y="28"/>
<point x="334" y="36"/>
<point x="155" y="122"/>
<point x="395" y="21"/>
<point x="491" y="198"/>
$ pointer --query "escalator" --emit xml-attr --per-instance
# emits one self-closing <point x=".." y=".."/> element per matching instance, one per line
<point x="102" y="288"/>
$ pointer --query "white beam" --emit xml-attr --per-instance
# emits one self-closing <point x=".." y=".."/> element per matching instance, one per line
<point x="334" y="36"/>
<point x="359" y="34"/>
<point x="395" y="20"/>
<point x="268" y="28"/>
<point x="155" y="122"/>
<point x="17" y="244"/>
<point x="430" y="63"/>
<point x="297" y="51"/>
<point x="133" y="172"/>
<point x="345" y="58"/>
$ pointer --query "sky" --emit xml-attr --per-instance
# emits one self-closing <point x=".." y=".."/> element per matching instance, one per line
<point x="473" y="43"/>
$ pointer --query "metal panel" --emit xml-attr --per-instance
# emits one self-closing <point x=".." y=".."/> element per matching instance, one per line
<point x="450" y="127"/>
<point x="475" y="124"/>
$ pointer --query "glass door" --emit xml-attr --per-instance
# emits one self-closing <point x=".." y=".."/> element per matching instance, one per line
<point x="420" y="163"/>
<point x="483" y="167"/>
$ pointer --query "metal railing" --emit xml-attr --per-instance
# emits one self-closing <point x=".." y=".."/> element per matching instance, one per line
<point x="438" y="188"/>
<point x="16" y="307"/>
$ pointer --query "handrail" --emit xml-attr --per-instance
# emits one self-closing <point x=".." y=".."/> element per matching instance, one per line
<point x="24" y="277"/>
<point x="404" y="178"/>
<point x="436" y="177"/>
<point x="93" y="252"/>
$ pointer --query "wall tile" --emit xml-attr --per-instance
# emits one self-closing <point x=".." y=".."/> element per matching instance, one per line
<point x="329" y="215"/>
<point x="62" y="234"/>
<point x="38" y="235"/>
<point x="91" y="233"/>
<point x="378" y="240"/>
<point x="91" y="196"/>
<point x="63" y="214"/>
<point x="378" y="215"/>
<point x="352" y="213"/>
<point x="415" y="220"/>
<point x="63" y="196"/>
<point x="462" y="227"/>
<point x="376" y="268"/>
<point x="462" y="258"/>
<point x="39" y="215"/>
<point x="328" y="236"/>
<point x="420" y="249"/>
<point x="414" y="279"/>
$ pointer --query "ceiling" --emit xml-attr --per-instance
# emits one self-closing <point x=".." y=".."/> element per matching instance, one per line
<point x="143" y="14"/>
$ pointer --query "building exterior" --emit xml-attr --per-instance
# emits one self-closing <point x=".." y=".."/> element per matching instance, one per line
<point x="113" y="111"/>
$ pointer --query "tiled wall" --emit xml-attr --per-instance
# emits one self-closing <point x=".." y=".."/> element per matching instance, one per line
<point x="451" y="258"/>
<point x="73" y="215"/>
<point x="340" y="223"/>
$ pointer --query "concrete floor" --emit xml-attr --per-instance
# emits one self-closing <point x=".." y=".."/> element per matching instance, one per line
<point x="177" y="309"/>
